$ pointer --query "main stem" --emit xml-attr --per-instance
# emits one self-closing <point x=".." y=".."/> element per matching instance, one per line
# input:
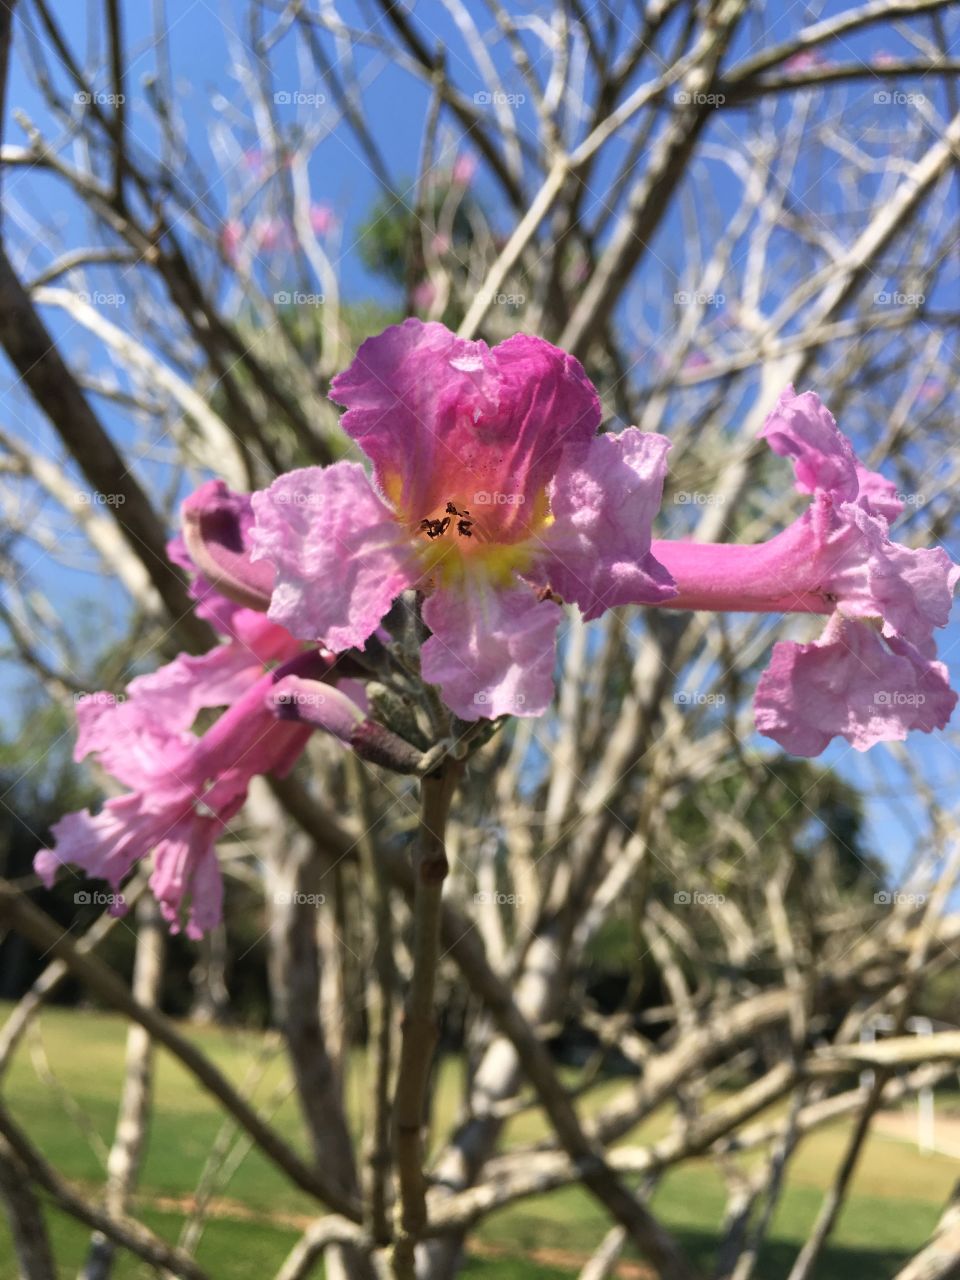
<point x="419" y="1034"/>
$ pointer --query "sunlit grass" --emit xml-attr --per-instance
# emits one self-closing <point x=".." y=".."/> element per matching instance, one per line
<point x="896" y="1199"/>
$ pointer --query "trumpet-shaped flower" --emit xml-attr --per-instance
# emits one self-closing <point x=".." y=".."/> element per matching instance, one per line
<point x="872" y="675"/>
<point x="184" y="789"/>
<point x="491" y="493"/>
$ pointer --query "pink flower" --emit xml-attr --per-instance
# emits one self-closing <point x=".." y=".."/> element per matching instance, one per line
<point x="322" y="219"/>
<point x="272" y="234"/>
<point x="464" y="169"/>
<point x="872" y="675"/>
<point x="231" y="238"/>
<point x="424" y="293"/>
<point x="806" y="60"/>
<point x="232" y="593"/>
<point x="491" y="493"/>
<point x="184" y="788"/>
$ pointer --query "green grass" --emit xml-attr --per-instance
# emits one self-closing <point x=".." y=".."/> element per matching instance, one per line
<point x="896" y="1198"/>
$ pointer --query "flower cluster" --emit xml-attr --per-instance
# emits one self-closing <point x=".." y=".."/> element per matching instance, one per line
<point x="492" y="498"/>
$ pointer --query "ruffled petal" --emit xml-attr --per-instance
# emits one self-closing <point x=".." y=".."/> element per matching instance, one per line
<point x="851" y="683"/>
<point x="186" y="876"/>
<point x="801" y="427"/>
<point x="879" y="494"/>
<point x="104" y="845"/>
<point x="248" y="627"/>
<point x="492" y="649"/>
<point x="340" y="556"/>
<point x="597" y="548"/>
<point x="139" y="736"/>
<point x="872" y="577"/>
<point x="216" y="531"/>
<point x="447" y="420"/>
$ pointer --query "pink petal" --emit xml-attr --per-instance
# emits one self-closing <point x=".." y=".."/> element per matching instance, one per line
<point x="139" y="736"/>
<point x="216" y="531"/>
<point x="802" y="428"/>
<point x="186" y="876"/>
<point x="597" y="549"/>
<point x="447" y="420"/>
<point x="105" y="846"/>
<point x="247" y="627"/>
<point x="851" y="683"/>
<point x="492" y="649"/>
<point x="340" y="556"/>
<point x="879" y="494"/>
<point x="315" y="703"/>
<point x="873" y="577"/>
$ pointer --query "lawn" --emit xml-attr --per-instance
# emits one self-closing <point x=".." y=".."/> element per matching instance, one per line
<point x="64" y="1084"/>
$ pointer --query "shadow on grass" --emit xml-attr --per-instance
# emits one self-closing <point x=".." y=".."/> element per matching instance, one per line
<point x="836" y="1262"/>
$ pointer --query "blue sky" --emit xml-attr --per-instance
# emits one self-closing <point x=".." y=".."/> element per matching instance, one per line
<point x="395" y="106"/>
